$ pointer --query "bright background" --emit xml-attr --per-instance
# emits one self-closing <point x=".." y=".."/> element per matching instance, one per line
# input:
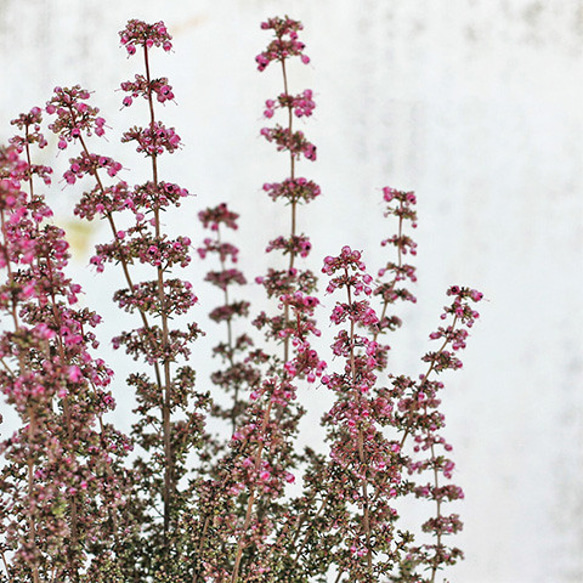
<point x="475" y="105"/>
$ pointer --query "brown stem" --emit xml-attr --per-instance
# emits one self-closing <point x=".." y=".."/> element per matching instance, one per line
<point x="286" y="349"/>
<point x="407" y="432"/>
<point x="28" y="159"/>
<point x="66" y="408"/>
<point x="286" y="343"/>
<point x="438" y="510"/>
<point x="166" y="408"/>
<point x="30" y="471"/>
<point x="408" y="427"/>
<point x="6" y="568"/>
<point x="123" y="259"/>
<point x="124" y="265"/>
<point x="251" y="501"/>
<point x="68" y="423"/>
<point x="6" y="366"/>
<point x="168" y="466"/>
<point x="360" y="445"/>
<point x="231" y="348"/>
<point x="303" y="517"/>
<point x="165" y="387"/>
<point x="386" y="302"/>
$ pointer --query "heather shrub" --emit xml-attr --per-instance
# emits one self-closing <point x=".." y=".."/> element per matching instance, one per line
<point x="174" y="501"/>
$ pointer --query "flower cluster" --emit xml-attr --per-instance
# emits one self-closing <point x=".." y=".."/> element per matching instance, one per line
<point x="362" y="473"/>
<point x="258" y="477"/>
<point x="218" y="215"/>
<point x="294" y="142"/>
<point x="143" y="298"/>
<point x="296" y="245"/>
<point x="224" y="250"/>
<point x="400" y="204"/>
<point x="153" y="140"/>
<point x="352" y="274"/>
<point x="460" y="307"/>
<point x="291" y="287"/>
<point x="279" y="281"/>
<point x="30" y="126"/>
<point x="150" y="195"/>
<point x="294" y="190"/>
<point x="88" y="164"/>
<point x="141" y="34"/>
<point x="286" y="285"/>
<point x="75" y="116"/>
<point x="29" y="123"/>
<point x="285" y="44"/>
<point x="142" y="88"/>
<point x="302" y="105"/>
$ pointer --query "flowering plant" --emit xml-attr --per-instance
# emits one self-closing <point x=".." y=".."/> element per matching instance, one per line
<point x="173" y="502"/>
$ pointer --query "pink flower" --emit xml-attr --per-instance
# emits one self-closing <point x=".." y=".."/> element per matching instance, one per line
<point x="74" y="374"/>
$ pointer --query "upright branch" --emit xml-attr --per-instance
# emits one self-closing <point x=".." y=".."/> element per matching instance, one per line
<point x="157" y="301"/>
<point x="74" y="478"/>
<point x="420" y="418"/>
<point x="235" y="374"/>
<point x="417" y="414"/>
<point x="272" y="420"/>
<point x="364" y="467"/>
<point x="400" y="204"/>
<point x="164" y="297"/>
<point x="293" y="190"/>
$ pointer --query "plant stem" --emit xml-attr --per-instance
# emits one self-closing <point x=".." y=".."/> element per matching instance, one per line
<point x="166" y="408"/>
<point x="123" y="259"/>
<point x="360" y="444"/>
<point x="30" y="410"/>
<point x="438" y="510"/>
<point x="250" y="502"/>
<point x="6" y="568"/>
<point x="397" y="277"/>
<point x="292" y="255"/>
<point x="409" y="424"/>
<point x="231" y="348"/>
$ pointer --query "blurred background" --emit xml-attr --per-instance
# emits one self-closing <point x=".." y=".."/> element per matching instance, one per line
<point x="474" y="104"/>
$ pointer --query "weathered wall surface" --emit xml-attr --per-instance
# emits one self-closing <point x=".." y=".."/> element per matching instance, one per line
<point x="474" y="104"/>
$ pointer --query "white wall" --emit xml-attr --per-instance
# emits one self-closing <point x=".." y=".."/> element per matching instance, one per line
<point x="474" y="104"/>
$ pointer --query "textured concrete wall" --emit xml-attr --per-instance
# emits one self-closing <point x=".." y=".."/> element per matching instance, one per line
<point x="476" y="105"/>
